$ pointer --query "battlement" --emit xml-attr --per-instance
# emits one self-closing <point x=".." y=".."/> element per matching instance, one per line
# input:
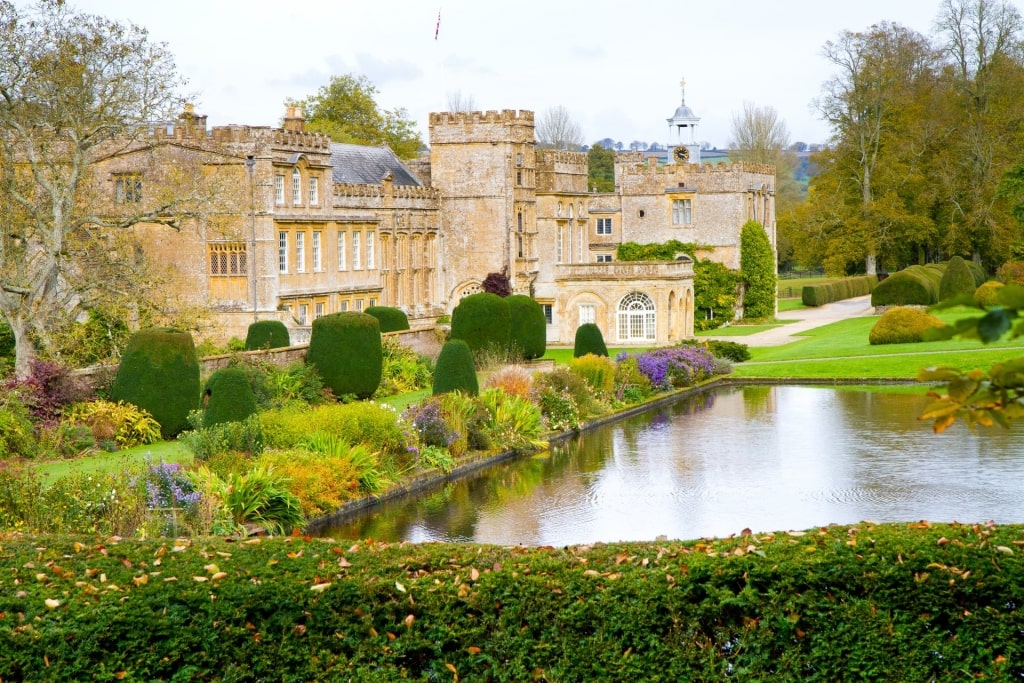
<point x="505" y="116"/>
<point x="348" y="190"/>
<point x="561" y="161"/>
<point x="640" y="168"/>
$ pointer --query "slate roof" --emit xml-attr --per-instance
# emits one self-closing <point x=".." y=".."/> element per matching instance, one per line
<point x="363" y="165"/>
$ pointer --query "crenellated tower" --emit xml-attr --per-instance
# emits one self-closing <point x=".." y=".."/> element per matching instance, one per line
<point x="485" y="166"/>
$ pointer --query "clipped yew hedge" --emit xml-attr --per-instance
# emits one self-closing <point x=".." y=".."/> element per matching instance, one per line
<point x="528" y="333"/>
<point x="347" y="352"/>
<point x="228" y="397"/>
<point x="159" y="372"/>
<point x="847" y="288"/>
<point x="902" y="325"/>
<point x="589" y="340"/>
<point x="956" y="280"/>
<point x="267" y="334"/>
<point x="905" y="288"/>
<point x="915" y="602"/>
<point x="482" y="321"/>
<point x="391" y="319"/>
<point x="455" y="370"/>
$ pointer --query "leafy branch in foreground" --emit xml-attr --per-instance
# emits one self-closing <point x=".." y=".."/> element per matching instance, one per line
<point x="977" y="396"/>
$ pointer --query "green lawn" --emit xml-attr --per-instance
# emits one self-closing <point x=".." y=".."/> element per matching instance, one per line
<point x="132" y="458"/>
<point x="841" y="350"/>
<point x="793" y="289"/>
<point x="791" y="304"/>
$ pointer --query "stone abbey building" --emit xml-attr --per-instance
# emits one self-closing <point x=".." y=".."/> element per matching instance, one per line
<point x="318" y="227"/>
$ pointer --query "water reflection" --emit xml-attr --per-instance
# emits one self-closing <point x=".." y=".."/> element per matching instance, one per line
<point x="764" y="458"/>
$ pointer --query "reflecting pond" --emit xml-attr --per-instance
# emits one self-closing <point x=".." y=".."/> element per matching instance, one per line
<point x="763" y="458"/>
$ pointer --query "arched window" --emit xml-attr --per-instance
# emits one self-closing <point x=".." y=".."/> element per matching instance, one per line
<point x="296" y="187"/>
<point x="636" y="317"/>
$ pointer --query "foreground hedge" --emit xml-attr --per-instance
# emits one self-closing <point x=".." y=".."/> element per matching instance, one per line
<point x="892" y="602"/>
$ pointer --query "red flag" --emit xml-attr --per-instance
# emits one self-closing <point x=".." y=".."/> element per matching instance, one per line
<point x="437" y="29"/>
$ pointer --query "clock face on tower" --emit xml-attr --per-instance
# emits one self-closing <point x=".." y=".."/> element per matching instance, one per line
<point x="681" y="154"/>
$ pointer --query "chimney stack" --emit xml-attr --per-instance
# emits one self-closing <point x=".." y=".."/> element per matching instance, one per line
<point x="293" y="120"/>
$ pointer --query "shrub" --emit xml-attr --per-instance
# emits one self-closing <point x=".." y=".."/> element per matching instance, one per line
<point x="322" y="482"/>
<point x="274" y="386"/>
<point x="902" y="289"/>
<point x="17" y="438"/>
<point x="483" y="322"/>
<point x="497" y="284"/>
<point x="512" y="379"/>
<point x="514" y="423"/>
<point x="455" y="370"/>
<point x="957" y="280"/>
<point x="631" y="385"/>
<point x="980" y="276"/>
<point x="902" y="325"/>
<point x="597" y="371"/>
<point x="1011" y="273"/>
<point x="757" y="266"/>
<point x="171" y="499"/>
<point x="565" y="381"/>
<point x="206" y="443"/>
<point x="714" y="294"/>
<point x="667" y="251"/>
<point x="391" y="319"/>
<point x="346" y="350"/>
<point x="589" y="340"/>
<point x="125" y="424"/>
<point x="354" y="423"/>
<point x="159" y="372"/>
<point x="228" y="397"/>
<point x="721" y="348"/>
<point x="259" y="497"/>
<point x="560" y="411"/>
<point x="528" y="326"/>
<point x="986" y="295"/>
<point x="47" y="390"/>
<point x="676" y="366"/>
<point x="428" y="420"/>
<point x="267" y="334"/>
<point x="464" y="416"/>
<point x="369" y="469"/>
<point x="404" y="370"/>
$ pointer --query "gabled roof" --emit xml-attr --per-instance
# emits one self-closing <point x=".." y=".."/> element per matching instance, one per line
<point x="363" y="165"/>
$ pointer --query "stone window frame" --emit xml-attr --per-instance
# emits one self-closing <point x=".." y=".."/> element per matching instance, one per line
<point x="228" y="259"/>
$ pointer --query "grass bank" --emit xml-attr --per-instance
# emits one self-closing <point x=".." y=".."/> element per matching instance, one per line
<point x="900" y="602"/>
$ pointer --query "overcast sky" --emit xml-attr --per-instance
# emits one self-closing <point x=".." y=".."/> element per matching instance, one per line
<point x="615" y="65"/>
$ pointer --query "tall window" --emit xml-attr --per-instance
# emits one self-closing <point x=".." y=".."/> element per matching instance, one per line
<point x="282" y="252"/>
<point x="359" y="305"/>
<point x="604" y="226"/>
<point x="279" y="190"/>
<point x="586" y="313"/>
<point x="344" y="306"/>
<point x="296" y="187"/>
<point x="228" y="258"/>
<point x="356" y="256"/>
<point x="548" y="312"/>
<point x="128" y="188"/>
<point x="579" y="243"/>
<point x="558" y="245"/>
<point x="682" y="212"/>
<point x="370" y="239"/>
<point x="303" y="313"/>
<point x="519" y="218"/>
<point x="636" y="318"/>
<point x="314" y="191"/>
<point x="300" y="252"/>
<point x="342" y="256"/>
<point x="318" y="263"/>
<point x="318" y="309"/>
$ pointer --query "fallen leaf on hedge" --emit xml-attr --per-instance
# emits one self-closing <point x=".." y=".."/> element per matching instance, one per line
<point x="320" y="587"/>
<point x="451" y="667"/>
<point x="170" y="578"/>
<point x="200" y="579"/>
<point x="179" y="548"/>
<point x="78" y="547"/>
<point x="299" y="630"/>
<point x="120" y="675"/>
<point x="141" y="580"/>
<point x="591" y="572"/>
<point x="218" y="576"/>
<point x="293" y="555"/>
<point x="474" y="574"/>
<point x="40" y="577"/>
<point x="797" y="533"/>
<point x="942" y="541"/>
<point x="408" y="621"/>
<point x="342" y="562"/>
<point x="399" y="587"/>
<point x="51" y="603"/>
<point x="473" y="650"/>
<point x="252" y="541"/>
<point x="212" y="568"/>
<point x="1004" y="549"/>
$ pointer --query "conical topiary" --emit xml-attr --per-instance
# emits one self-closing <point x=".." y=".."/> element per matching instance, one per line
<point x="589" y="340"/>
<point x="267" y="334"/>
<point x="528" y="334"/>
<point x="346" y="350"/>
<point x="227" y="397"/>
<point x="159" y="372"/>
<point x="957" y="280"/>
<point x="390" y="319"/>
<point x="454" y="370"/>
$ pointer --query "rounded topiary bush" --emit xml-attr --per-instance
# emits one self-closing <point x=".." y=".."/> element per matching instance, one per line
<point x="902" y="289"/>
<point x="228" y="397"/>
<point x="159" y="372"/>
<point x="390" y="319"/>
<point x="902" y="325"/>
<point x="454" y="370"/>
<point x="483" y="322"/>
<point x="589" y="340"/>
<point x="347" y="352"/>
<point x="529" y="328"/>
<point x="267" y="334"/>
<point x="1011" y="273"/>
<point x="986" y="294"/>
<point x="957" y="280"/>
<point x="980" y="276"/>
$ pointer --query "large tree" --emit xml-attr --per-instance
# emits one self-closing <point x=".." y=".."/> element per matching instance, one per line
<point x="557" y="129"/>
<point x="75" y="90"/>
<point x="871" y="183"/>
<point x="346" y="109"/>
